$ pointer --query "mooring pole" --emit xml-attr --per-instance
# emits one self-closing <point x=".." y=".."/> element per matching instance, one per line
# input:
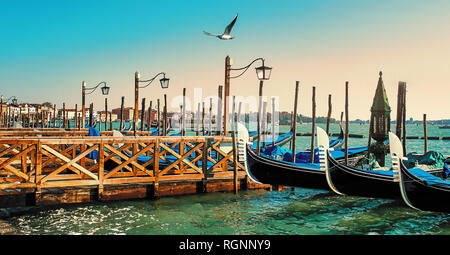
<point x="121" y="113"/>
<point x="329" y="114"/>
<point x="404" y="118"/>
<point x="64" y="115"/>
<point x="183" y="114"/>
<point x="159" y="117"/>
<point x="136" y="103"/>
<point x="294" y="121"/>
<point x="219" y="110"/>
<point x="258" y="147"/>
<point x="425" y="137"/>
<point x="346" y="123"/>
<point x="227" y="94"/>
<point x="106" y="113"/>
<point x="165" y="115"/>
<point x="272" y="120"/>
<point x="142" y="113"/>
<point x="313" y="131"/>
<point x="149" y="120"/>
<point x="83" y="104"/>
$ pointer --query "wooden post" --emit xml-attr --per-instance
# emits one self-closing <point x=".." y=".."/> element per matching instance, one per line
<point x="159" y="118"/>
<point x="203" y="118"/>
<point x="227" y="94"/>
<point x="121" y="113"/>
<point x="156" y="165"/>
<point x="197" y="121"/>
<point x="313" y="131"/>
<point x="76" y="117"/>
<point x="398" y="125"/>
<point x="294" y="121"/>
<point x="425" y="136"/>
<point x="54" y="115"/>
<point x="110" y="121"/>
<point x="272" y="120"/>
<point x="38" y="172"/>
<point x="265" y="125"/>
<point x="329" y="114"/>
<point x="346" y="123"/>
<point x="136" y="98"/>
<point x="404" y="118"/>
<point x="219" y="110"/>
<point x="106" y="113"/>
<point x="83" y="104"/>
<point x="205" y="164"/>
<point x="142" y="114"/>
<point x="165" y="115"/>
<point x="258" y="147"/>
<point x="149" y="120"/>
<point x="210" y="117"/>
<point x="101" y="167"/>
<point x="64" y="115"/>
<point x="91" y="114"/>
<point x="183" y="114"/>
<point x="235" y="160"/>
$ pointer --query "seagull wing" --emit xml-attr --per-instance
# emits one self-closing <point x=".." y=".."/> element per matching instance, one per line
<point x="206" y="33"/>
<point x="230" y="26"/>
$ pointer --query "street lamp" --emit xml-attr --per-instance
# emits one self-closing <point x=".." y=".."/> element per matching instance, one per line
<point x="164" y="84"/>
<point x="105" y="91"/>
<point x="262" y="72"/>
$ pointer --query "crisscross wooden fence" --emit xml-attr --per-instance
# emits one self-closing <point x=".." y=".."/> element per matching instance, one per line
<point x="58" y="162"/>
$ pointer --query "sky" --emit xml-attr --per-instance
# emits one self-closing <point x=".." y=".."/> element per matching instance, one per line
<point x="47" y="48"/>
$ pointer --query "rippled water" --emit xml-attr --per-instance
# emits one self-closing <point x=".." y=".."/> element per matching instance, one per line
<point x="298" y="211"/>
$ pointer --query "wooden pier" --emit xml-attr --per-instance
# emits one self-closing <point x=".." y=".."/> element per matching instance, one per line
<point x="51" y="167"/>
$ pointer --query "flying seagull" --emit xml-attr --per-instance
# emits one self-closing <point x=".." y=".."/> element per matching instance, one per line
<point x="226" y="34"/>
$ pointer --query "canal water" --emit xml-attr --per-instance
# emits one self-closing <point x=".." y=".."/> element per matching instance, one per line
<point x="298" y="211"/>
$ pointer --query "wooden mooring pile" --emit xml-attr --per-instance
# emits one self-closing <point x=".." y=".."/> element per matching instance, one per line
<point x="44" y="167"/>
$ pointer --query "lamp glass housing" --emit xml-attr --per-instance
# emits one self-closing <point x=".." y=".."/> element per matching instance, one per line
<point x="164" y="83"/>
<point x="263" y="72"/>
<point x="105" y="90"/>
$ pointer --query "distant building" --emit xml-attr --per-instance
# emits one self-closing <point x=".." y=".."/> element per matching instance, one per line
<point x="127" y="113"/>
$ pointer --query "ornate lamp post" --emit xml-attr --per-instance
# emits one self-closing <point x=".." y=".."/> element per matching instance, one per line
<point x="380" y="122"/>
<point x="164" y="84"/>
<point x="263" y="73"/>
<point x="105" y="92"/>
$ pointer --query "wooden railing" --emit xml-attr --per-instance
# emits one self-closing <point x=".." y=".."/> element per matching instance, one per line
<point x="45" y="162"/>
<point x="30" y="132"/>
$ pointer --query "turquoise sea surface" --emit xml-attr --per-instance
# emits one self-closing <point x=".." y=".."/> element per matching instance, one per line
<point x="292" y="211"/>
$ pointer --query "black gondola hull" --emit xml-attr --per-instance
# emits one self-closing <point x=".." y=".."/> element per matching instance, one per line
<point x="274" y="172"/>
<point x="423" y="196"/>
<point x="353" y="182"/>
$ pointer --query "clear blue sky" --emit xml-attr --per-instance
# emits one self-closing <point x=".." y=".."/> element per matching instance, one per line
<point x="49" y="47"/>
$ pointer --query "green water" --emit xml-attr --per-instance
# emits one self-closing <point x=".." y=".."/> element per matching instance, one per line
<point x="298" y="211"/>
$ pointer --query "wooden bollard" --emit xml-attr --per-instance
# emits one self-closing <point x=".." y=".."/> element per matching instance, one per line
<point x="165" y="115"/>
<point x="159" y="117"/>
<point x="313" y="131"/>
<point x="294" y="121"/>
<point x="219" y="110"/>
<point x="329" y="114"/>
<point x="346" y="123"/>
<point x="149" y="120"/>
<point x="121" y="113"/>
<point x="142" y="114"/>
<point x="258" y="147"/>
<point x="425" y="136"/>
<point x="64" y="115"/>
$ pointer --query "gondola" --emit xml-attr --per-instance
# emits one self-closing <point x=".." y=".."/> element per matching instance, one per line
<point x="349" y="180"/>
<point x="419" y="189"/>
<point x="265" y="170"/>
